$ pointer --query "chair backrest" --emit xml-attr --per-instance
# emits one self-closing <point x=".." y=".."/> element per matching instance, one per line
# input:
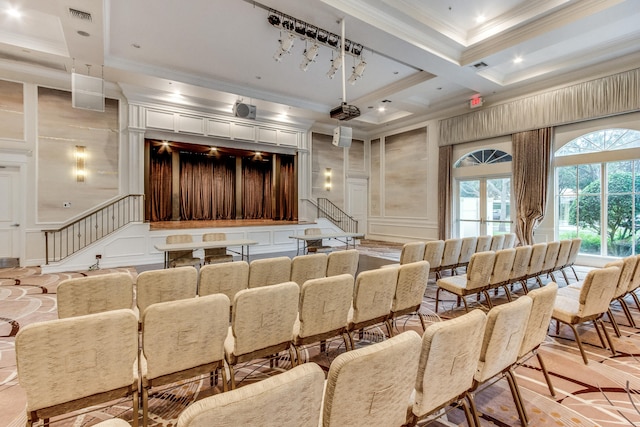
<point x="264" y="316"/>
<point x="506" y="325"/>
<point x="467" y="249"/>
<point x="520" y="262"/>
<point x="324" y="305"/>
<point x="551" y="255"/>
<point x="355" y="397"/>
<point x="373" y="294"/>
<point x="290" y="399"/>
<point x="410" y="287"/>
<point x="307" y="267"/>
<point x="227" y="278"/>
<point x="433" y="251"/>
<point x="484" y="243"/>
<point x="94" y="294"/>
<point x="412" y="252"/>
<point x="479" y="269"/>
<point x="313" y="243"/>
<point x="538" y="252"/>
<point x="542" y="300"/>
<point x="627" y="269"/>
<point x="154" y="286"/>
<point x="343" y="262"/>
<point x="448" y="360"/>
<point x="212" y="253"/>
<point x="634" y="283"/>
<point x="179" y="255"/>
<point x="575" y="249"/>
<point x="56" y="358"/>
<point x="502" y="266"/>
<point x="509" y="241"/>
<point x="497" y="242"/>
<point x="451" y="252"/>
<point x="269" y="271"/>
<point x="563" y="254"/>
<point x="597" y="291"/>
<point x="184" y="334"/>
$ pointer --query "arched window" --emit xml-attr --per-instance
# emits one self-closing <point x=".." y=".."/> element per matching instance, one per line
<point x="483" y="157"/>
<point x="600" y="201"/>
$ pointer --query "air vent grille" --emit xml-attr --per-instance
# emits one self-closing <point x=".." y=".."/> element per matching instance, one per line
<point x="78" y="14"/>
<point x="479" y="65"/>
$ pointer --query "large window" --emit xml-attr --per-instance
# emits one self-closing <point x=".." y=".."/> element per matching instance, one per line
<point x="600" y="201"/>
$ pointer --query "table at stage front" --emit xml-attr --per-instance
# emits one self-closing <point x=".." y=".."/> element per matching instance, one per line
<point x="346" y="238"/>
<point x="167" y="247"/>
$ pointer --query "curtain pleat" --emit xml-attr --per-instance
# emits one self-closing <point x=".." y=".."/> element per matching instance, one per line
<point x="196" y="187"/>
<point x="444" y="193"/>
<point x="286" y="203"/>
<point x="160" y="186"/>
<point x="531" y="168"/>
<point x="256" y="190"/>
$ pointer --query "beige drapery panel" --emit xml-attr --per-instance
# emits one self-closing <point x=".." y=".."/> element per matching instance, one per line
<point x="531" y="168"/>
<point x="444" y="192"/>
<point x="256" y="190"/>
<point x="287" y="195"/>
<point x="160" y="187"/>
<point x="615" y="94"/>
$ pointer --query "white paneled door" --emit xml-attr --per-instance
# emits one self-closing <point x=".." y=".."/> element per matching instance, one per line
<point x="9" y="213"/>
<point x="356" y="203"/>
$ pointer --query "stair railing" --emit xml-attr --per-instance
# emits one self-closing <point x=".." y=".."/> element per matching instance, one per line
<point x="327" y="209"/>
<point x="92" y="227"/>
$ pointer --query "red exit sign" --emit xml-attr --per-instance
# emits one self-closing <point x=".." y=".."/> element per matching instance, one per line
<point x="475" y="102"/>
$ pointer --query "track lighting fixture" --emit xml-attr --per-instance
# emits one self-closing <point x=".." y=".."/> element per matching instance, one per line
<point x="286" y="43"/>
<point x="335" y="66"/>
<point x="358" y="70"/>
<point x="309" y="55"/>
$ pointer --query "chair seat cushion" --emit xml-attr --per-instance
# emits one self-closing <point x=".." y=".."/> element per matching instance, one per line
<point x="455" y="284"/>
<point x="566" y="308"/>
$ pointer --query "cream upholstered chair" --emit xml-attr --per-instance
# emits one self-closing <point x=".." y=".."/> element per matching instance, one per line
<point x="227" y="278"/>
<point x="269" y="271"/>
<point x="372" y="297"/>
<point x="497" y="242"/>
<point x="573" y="255"/>
<point x="183" y="257"/>
<point x="261" y="324"/>
<point x="323" y="311"/>
<point x="289" y="399"/>
<point x="315" y="245"/>
<point x="433" y="251"/>
<point x="509" y="241"/>
<point x="410" y="288"/>
<point x="506" y="325"/>
<point x="590" y="304"/>
<point x="543" y="300"/>
<point x="634" y="283"/>
<point x="69" y="364"/>
<point x="355" y="397"/>
<point x="550" y="257"/>
<point x="475" y="280"/>
<point x="412" y="252"/>
<point x="561" y="260"/>
<point x="484" y="243"/>
<point x="501" y="271"/>
<point x="180" y="340"/>
<point x="520" y="264"/>
<point x="155" y="286"/>
<point x="307" y="267"/>
<point x="215" y="255"/>
<point x="538" y="252"/>
<point x="94" y="294"/>
<point x="343" y="262"/>
<point x="448" y="362"/>
<point x="450" y="255"/>
<point x="467" y="249"/>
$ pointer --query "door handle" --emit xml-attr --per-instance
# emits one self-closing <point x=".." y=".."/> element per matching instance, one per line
<point x="15" y="225"/>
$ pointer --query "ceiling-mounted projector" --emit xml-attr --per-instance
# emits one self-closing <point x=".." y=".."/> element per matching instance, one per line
<point x="345" y="112"/>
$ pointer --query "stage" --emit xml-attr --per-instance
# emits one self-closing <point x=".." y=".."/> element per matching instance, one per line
<point x="221" y="223"/>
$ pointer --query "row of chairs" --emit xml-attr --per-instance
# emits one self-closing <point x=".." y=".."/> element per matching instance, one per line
<point x="414" y="378"/>
<point x="183" y="338"/>
<point x="491" y="270"/>
<point x="93" y="294"/>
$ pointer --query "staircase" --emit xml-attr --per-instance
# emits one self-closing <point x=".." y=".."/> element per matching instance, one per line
<point x="327" y="209"/>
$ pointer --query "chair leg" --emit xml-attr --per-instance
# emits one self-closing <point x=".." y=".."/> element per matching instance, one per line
<point x="424" y="327"/>
<point x="145" y="406"/>
<point x="298" y="355"/>
<point x="525" y="289"/>
<point x="474" y="409"/>
<point x="488" y="298"/>
<point x="437" y="298"/>
<point x="466" y="307"/>
<point x="552" y="276"/>
<point x="345" y="338"/>
<point x="517" y="398"/>
<point x="292" y="356"/>
<point x="136" y="408"/>
<point x="614" y="323"/>
<point x="607" y="336"/>
<point x="389" y="327"/>
<point x="564" y="274"/>
<point x="635" y="298"/>
<point x="602" y="343"/>
<point x="225" y="382"/>
<point x="232" y="378"/>
<point x="546" y="374"/>
<point x="627" y="312"/>
<point x="575" y="333"/>
<point x="467" y="413"/>
<point x="574" y="272"/>
<point x="507" y="292"/>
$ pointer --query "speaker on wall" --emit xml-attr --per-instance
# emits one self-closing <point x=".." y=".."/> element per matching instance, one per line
<point x="342" y="136"/>
<point x="245" y="111"/>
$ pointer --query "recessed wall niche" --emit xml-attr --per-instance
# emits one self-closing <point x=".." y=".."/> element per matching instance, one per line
<point x="61" y="128"/>
<point x="11" y="110"/>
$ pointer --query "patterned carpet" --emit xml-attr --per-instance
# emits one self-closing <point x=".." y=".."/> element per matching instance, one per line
<point x="603" y="393"/>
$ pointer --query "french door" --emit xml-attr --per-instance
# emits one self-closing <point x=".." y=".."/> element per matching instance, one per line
<point x="484" y="206"/>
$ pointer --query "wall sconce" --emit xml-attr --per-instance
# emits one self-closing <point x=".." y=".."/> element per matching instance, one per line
<point x="80" y="163"/>
<point x="327" y="179"/>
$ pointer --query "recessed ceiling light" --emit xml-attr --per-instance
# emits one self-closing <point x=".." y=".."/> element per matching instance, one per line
<point x="517" y="60"/>
<point x="480" y="19"/>
<point x="83" y="33"/>
<point x="14" y="13"/>
<point x="381" y="109"/>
